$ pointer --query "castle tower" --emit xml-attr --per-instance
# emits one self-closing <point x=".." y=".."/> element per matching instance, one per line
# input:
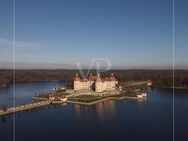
<point x="98" y="84"/>
<point x="77" y="83"/>
<point x="91" y="79"/>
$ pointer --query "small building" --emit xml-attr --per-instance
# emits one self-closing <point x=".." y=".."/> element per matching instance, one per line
<point x="149" y="83"/>
<point x="141" y="95"/>
<point x="63" y="99"/>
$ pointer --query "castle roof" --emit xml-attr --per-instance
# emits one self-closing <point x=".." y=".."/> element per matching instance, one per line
<point x="107" y="79"/>
<point x="91" y="77"/>
<point x="97" y="78"/>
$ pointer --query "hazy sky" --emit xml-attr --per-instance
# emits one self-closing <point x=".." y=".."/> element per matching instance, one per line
<point x="128" y="33"/>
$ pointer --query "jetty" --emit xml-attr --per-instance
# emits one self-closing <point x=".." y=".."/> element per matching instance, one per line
<point x="24" y="107"/>
<point x="19" y="108"/>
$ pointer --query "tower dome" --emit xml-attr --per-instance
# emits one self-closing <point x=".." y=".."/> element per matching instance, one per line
<point x="112" y="77"/>
<point x="76" y="78"/>
<point x="98" y="78"/>
<point x="91" y="77"/>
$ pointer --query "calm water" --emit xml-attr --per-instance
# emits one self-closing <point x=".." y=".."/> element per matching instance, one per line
<point x="24" y="92"/>
<point x="115" y="120"/>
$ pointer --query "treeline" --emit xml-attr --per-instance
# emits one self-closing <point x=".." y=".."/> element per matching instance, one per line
<point x="160" y="78"/>
<point x="6" y="77"/>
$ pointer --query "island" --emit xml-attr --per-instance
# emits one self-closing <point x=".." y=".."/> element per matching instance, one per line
<point x="87" y="91"/>
<point x="94" y="89"/>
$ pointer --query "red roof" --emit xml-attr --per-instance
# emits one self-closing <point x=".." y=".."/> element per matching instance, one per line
<point x="91" y="77"/>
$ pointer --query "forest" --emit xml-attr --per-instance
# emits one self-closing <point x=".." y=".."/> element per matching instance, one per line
<point x="160" y="78"/>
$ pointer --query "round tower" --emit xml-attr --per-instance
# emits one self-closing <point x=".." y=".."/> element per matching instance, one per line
<point x="77" y="83"/>
<point x="98" y="84"/>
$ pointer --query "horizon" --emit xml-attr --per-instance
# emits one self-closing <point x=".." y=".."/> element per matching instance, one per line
<point x="86" y="69"/>
<point x="58" y="34"/>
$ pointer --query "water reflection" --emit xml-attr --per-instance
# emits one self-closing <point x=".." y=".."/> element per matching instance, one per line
<point x="76" y="109"/>
<point x="102" y="110"/>
<point x="141" y="100"/>
<point x="106" y="109"/>
<point x="3" y="119"/>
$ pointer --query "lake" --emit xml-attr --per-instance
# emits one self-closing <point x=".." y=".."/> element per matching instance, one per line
<point x="150" y="119"/>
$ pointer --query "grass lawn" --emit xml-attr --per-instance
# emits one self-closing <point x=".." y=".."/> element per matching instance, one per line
<point x="43" y="96"/>
<point x="60" y="94"/>
<point x="85" y="98"/>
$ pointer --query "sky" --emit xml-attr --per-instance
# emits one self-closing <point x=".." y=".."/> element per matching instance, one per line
<point x="123" y="33"/>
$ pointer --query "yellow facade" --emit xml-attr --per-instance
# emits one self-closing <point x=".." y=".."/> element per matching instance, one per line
<point x="100" y="85"/>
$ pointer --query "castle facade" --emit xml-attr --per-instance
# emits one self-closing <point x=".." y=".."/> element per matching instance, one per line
<point x="96" y="83"/>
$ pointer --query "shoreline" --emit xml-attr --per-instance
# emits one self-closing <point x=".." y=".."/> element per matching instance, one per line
<point x="101" y="100"/>
<point x="176" y="88"/>
<point x="8" y="84"/>
<point x="35" y="105"/>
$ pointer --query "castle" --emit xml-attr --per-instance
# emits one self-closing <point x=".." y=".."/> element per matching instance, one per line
<point x="96" y="83"/>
